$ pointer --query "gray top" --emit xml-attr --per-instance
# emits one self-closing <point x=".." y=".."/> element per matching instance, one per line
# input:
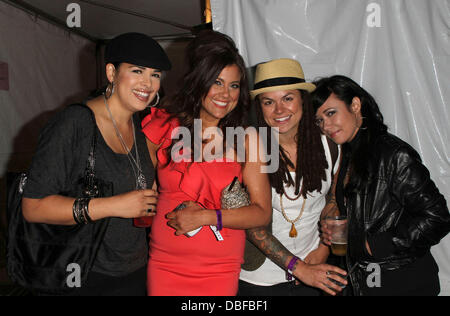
<point x="124" y="248"/>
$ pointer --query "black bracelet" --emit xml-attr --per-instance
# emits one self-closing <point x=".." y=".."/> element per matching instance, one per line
<point x="86" y="210"/>
<point x="80" y="211"/>
<point x="76" y="212"/>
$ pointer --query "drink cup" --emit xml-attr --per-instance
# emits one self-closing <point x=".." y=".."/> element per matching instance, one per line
<point x="339" y="230"/>
<point x="144" y="221"/>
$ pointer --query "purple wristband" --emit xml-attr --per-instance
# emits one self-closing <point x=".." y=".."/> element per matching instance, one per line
<point x="219" y="220"/>
<point x="290" y="267"/>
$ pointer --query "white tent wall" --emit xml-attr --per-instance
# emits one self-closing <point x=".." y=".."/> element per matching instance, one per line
<point x="44" y="65"/>
<point x="48" y="68"/>
<point x="399" y="50"/>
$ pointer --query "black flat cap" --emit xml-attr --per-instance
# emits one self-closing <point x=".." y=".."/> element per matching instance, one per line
<point x="137" y="49"/>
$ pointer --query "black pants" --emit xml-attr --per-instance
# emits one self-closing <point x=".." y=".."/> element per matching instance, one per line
<point x="419" y="278"/>
<point x="282" y="289"/>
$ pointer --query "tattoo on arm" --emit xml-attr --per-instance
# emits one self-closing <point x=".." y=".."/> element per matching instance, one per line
<point x="331" y="207"/>
<point x="269" y="245"/>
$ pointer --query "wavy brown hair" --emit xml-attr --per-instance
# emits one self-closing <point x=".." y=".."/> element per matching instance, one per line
<point x="206" y="56"/>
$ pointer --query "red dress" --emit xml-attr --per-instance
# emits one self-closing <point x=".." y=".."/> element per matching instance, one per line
<point x="198" y="265"/>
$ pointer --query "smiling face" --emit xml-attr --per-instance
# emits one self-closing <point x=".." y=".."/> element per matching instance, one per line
<point x="282" y="109"/>
<point x="134" y="86"/>
<point x="338" y="121"/>
<point x="222" y="97"/>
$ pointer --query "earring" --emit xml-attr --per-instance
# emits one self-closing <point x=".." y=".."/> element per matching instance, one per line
<point x="362" y="123"/>
<point x="109" y="90"/>
<point x="155" y="103"/>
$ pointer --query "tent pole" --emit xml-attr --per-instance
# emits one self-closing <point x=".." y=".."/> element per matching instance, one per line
<point x="207" y="14"/>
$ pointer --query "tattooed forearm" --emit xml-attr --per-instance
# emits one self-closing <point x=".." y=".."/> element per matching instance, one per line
<point x="330" y="198"/>
<point x="269" y="245"/>
<point x="330" y="209"/>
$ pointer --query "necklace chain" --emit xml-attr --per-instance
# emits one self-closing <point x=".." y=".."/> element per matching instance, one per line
<point x="293" y="199"/>
<point x="135" y="163"/>
<point x="284" y="212"/>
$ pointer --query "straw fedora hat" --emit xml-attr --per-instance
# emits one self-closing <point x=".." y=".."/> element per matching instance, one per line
<point x="280" y="74"/>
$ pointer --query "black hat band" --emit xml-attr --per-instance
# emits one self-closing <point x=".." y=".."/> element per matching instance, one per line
<point x="282" y="81"/>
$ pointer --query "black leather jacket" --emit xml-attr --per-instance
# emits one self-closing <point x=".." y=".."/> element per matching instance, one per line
<point x="399" y="210"/>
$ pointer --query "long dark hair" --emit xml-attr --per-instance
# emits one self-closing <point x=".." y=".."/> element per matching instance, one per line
<point x="345" y="89"/>
<point x="206" y="56"/>
<point x="311" y="160"/>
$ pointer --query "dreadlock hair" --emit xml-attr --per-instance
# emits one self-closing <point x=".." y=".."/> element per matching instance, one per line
<point x="206" y="56"/>
<point x="311" y="160"/>
<point x="345" y="89"/>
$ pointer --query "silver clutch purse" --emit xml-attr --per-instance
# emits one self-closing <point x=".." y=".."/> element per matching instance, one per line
<point x="234" y="195"/>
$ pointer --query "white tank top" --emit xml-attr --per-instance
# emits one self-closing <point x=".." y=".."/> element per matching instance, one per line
<point x="307" y="226"/>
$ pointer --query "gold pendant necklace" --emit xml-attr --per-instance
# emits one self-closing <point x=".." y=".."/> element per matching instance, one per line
<point x="293" y="232"/>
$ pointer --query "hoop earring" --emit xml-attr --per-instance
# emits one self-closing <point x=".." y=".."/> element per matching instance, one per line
<point x="362" y="123"/>
<point x="155" y="103"/>
<point x="109" y="90"/>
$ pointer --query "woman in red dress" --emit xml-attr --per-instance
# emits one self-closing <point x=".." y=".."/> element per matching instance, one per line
<point x="214" y="95"/>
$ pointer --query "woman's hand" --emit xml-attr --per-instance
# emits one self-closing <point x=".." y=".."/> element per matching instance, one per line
<point x="187" y="219"/>
<point x="325" y="233"/>
<point x="318" y="256"/>
<point x="135" y="204"/>
<point x="319" y="275"/>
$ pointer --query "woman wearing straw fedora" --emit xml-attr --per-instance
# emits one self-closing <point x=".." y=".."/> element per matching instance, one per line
<point x="289" y="250"/>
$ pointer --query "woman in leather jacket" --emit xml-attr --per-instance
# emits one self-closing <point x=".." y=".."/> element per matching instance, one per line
<point x="395" y="211"/>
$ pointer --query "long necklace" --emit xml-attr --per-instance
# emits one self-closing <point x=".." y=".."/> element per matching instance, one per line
<point x="141" y="182"/>
<point x="293" y="232"/>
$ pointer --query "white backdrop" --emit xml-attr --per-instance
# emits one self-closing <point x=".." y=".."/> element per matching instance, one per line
<point x="399" y="50"/>
<point x="48" y="68"/>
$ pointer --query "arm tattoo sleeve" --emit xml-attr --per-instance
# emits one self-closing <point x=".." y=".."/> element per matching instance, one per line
<point x="269" y="245"/>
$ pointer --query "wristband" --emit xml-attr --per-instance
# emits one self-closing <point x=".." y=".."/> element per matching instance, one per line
<point x="291" y="267"/>
<point x="219" y="220"/>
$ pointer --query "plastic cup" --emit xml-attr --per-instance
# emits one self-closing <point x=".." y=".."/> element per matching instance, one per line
<point x="339" y="231"/>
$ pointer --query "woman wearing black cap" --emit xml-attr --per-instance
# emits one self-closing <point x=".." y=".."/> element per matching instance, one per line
<point x="118" y="256"/>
